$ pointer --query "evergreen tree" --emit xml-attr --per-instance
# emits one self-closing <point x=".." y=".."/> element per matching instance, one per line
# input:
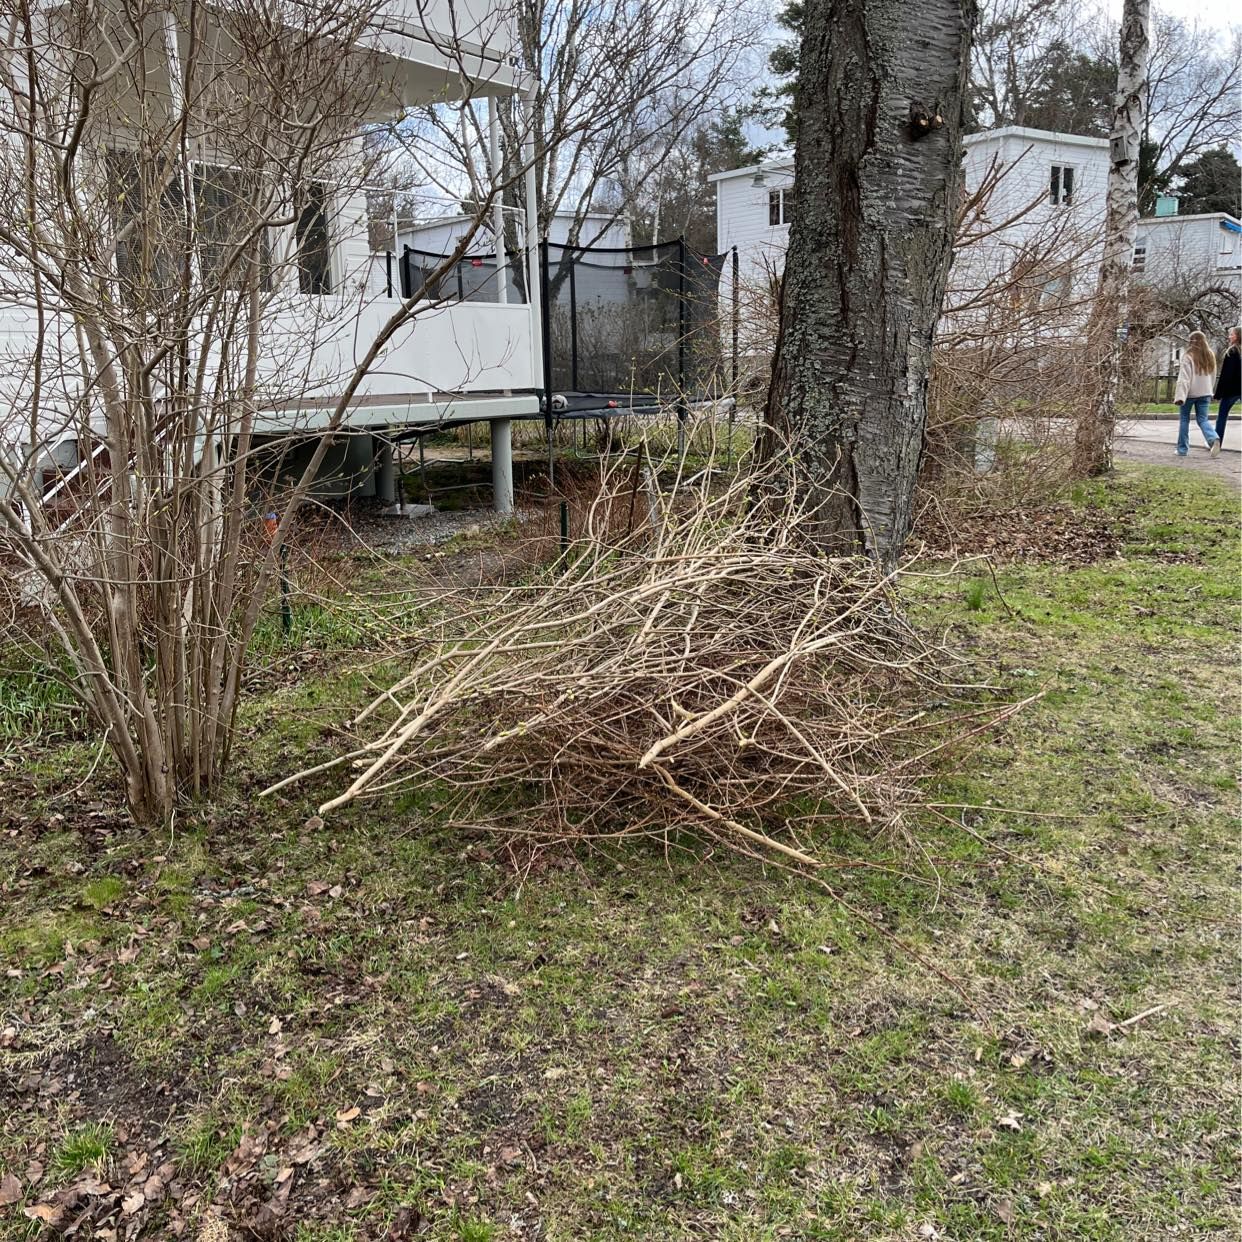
<point x="1213" y="182"/>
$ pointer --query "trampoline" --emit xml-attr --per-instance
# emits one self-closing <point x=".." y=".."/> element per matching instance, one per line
<point x="636" y="329"/>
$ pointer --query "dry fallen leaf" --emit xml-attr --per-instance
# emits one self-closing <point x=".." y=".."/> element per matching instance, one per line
<point x="48" y="1213"/>
<point x="1011" y="1121"/>
<point x="274" y="1027"/>
<point x="348" y="1115"/>
<point x="1099" y="1025"/>
<point x="10" y="1190"/>
<point x="1004" y="1209"/>
<point x="133" y="1202"/>
<point x="314" y="824"/>
<point x="1044" y="1189"/>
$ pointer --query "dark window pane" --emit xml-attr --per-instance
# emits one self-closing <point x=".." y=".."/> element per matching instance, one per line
<point x="774" y="206"/>
<point x="146" y="201"/>
<point x="1054" y="185"/>
<point x="1067" y="185"/>
<point x="226" y="224"/>
<point x="314" y="252"/>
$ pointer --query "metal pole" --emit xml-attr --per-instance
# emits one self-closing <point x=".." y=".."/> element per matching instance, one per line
<point x="286" y="611"/>
<point x="533" y="290"/>
<point x="388" y="271"/>
<point x="546" y="336"/>
<point x="407" y="277"/>
<point x="502" y="466"/>
<point x="498" y="211"/>
<point x="573" y="327"/>
<point x="681" y="347"/>
<point x="737" y="323"/>
<point x="737" y="317"/>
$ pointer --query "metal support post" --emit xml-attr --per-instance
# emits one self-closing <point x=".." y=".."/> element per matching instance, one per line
<point x="502" y="465"/>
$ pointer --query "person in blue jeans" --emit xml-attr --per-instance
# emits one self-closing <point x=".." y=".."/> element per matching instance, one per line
<point x="1228" y="384"/>
<point x="1195" y="379"/>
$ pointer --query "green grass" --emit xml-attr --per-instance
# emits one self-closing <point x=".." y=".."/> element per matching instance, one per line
<point x="34" y="700"/>
<point x="86" y="1148"/>
<point x="619" y="1046"/>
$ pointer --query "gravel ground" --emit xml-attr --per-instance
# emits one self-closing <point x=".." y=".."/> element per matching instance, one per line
<point x="370" y="528"/>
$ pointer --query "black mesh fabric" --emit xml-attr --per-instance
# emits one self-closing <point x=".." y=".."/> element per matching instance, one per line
<point x="471" y="279"/>
<point x="640" y="320"/>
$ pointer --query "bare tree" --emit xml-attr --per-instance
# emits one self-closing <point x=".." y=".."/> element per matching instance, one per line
<point x="878" y="167"/>
<point x="1194" y="77"/>
<point x="1093" y="438"/>
<point x="170" y="182"/>
<point x="617" y="87"/>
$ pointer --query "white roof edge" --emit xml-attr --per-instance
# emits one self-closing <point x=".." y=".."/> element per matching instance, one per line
<point x="1199" y="215"/>
<point x="784" y="163"/>
<point x="781" y="163"/>
<point x="1041" y="135"/>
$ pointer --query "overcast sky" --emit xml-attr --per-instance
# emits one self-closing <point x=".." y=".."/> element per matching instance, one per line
<point x="1218" y="13"/>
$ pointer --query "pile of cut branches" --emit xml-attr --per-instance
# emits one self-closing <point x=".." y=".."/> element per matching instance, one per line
<point x="692" y="661"/>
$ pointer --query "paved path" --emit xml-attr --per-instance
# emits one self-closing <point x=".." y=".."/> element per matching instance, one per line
<point x="1154" y="441"/>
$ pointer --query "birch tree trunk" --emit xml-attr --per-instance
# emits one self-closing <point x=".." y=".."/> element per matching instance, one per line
<point x="880" y="102"/>
<point x="1093" y="438"/>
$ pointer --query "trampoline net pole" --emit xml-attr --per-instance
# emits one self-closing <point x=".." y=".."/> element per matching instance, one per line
<point x="573" y="326"/>
<point x="681" y="347"/>
<point x="735" y="326"/>
<point x="545" y="328"/>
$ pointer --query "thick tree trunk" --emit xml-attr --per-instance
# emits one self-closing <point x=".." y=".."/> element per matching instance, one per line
<point x="880" y="101"/>
<point x="1093" y="438"/>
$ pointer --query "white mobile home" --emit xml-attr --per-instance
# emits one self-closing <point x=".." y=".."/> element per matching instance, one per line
<point x="1047" y="197"/>
<point x="327" y="295"/>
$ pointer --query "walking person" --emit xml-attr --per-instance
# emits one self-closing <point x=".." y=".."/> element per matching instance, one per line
<point x="1228" y="383"/>
<point x="1195" y="378"/>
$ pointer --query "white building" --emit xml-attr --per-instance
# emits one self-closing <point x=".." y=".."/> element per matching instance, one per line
<point x="455" y="361"/>
<point x="1048" y="197"/>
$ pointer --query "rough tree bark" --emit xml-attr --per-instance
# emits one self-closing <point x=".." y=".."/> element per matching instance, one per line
<point x="880" y="100"/>
<point x="1093" y="437"/>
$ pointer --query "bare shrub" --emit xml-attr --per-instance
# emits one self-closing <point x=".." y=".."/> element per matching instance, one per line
<point x="1009" y="372"/>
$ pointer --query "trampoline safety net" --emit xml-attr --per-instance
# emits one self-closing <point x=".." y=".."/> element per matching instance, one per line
<point x="473" y="278"/>
<point x="640" y="320"/>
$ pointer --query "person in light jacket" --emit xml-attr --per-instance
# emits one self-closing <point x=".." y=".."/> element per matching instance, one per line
<point x="1228" y="383"/>
<point x="1195" y="378"/>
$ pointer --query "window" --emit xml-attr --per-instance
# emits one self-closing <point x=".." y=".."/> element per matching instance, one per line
<point x="1061" y="185"/>
<point x="147" y="211"/>
<point x="226" y="226"/>
<point x="1140" y="256"/>
<point x="314" y="243"/>
<point x="151" y="226"/>
<point x="780" y="206"/>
